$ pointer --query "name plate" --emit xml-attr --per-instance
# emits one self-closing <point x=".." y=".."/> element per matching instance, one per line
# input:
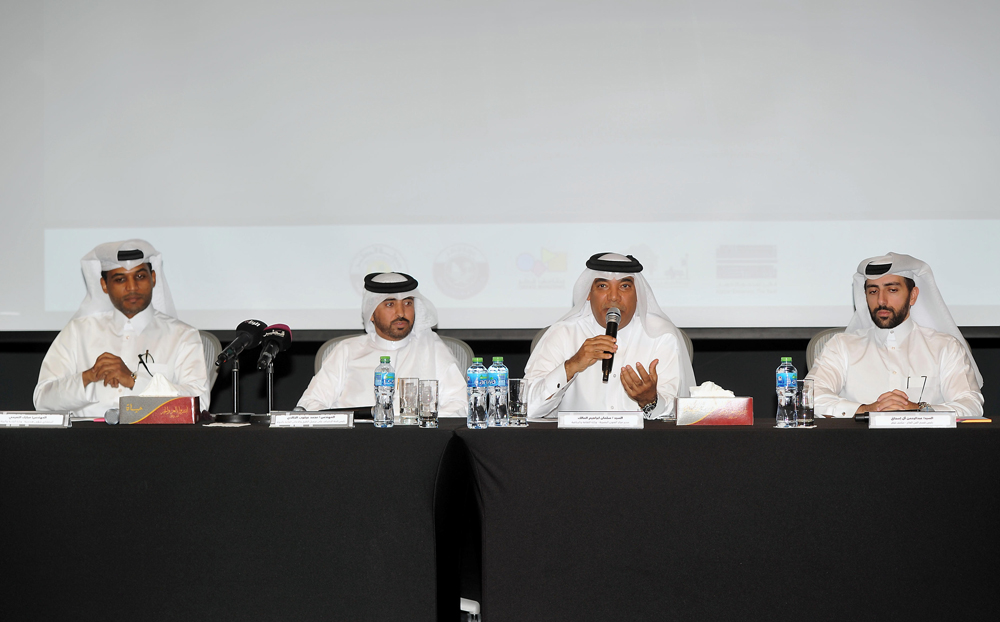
<point x="601" y="420"/>
<point x="31" y="419"/>
<point x="912" y="420"/>
<point x="300" y="419"/>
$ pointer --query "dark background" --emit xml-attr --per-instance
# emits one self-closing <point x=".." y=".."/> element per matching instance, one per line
<point x="744" y="365"/>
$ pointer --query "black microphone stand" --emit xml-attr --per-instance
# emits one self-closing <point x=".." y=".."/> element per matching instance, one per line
<point x="270" y="387"/>
<point x="236" y="416"/>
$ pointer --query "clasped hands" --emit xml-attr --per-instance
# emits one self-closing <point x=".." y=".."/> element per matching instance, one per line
<point x="893" y="400"/>
<point x="112" y="370"/>
<point x="639" y="384"/>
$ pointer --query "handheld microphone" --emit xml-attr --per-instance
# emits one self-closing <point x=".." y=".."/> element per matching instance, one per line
<point x="277" y="338"/>
<point x="249" y="334"/>
<point x="612" y="319"/>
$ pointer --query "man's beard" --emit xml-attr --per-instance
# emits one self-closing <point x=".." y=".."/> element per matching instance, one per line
<point x="894" y="320"/>
<point x="391" y="331"/>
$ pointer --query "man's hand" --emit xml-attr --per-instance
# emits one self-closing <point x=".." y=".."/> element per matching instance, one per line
<point x="111" y="370"/>
<point x="640" y="387"/>
<point x="593" y="350"/>
<point x="893" y="400"/>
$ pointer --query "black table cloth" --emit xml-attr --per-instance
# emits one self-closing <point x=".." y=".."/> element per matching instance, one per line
<point x="196" y="523"/>
<point x="666" y="523"/>
<point x="737" y="523"/>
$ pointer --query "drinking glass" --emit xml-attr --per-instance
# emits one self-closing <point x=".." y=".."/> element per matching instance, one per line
<point x="407" y="389"/>
<point x="804" y="403"/>
<point x="428" y="403"/>
<point x="517" y="401"/>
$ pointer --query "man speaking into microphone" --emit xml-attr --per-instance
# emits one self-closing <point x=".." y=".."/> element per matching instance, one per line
<point x="643" y="353"/>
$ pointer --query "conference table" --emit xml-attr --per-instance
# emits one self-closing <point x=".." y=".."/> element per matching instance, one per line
<point x="190" y="522"/>
<point x="665" y="523"/>
<point x="738" y="523"/>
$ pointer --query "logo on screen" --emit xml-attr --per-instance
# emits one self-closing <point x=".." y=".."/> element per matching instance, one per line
<point x="549" y="262"/>
<point x="375" y="258"/>
<point x="461" y="271"/>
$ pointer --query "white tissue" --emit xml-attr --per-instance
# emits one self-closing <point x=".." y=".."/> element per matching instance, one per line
<point x="710" y="389"/>
<point x="159" y="386"/>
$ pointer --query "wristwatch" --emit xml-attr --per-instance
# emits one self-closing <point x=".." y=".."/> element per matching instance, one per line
<point x="924" y="407"/>
<point x="647" y="410"/>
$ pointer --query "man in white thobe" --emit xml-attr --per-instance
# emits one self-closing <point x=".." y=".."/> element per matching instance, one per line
<point x="124" y="334"/>
<point x="901" y="351"/>
<point x="398" y="322"/>
<point x="650" y="364"/>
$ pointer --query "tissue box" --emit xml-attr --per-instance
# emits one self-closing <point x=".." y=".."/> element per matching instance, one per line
<point x="714" y="410"/>
<point x="135" y="409"/>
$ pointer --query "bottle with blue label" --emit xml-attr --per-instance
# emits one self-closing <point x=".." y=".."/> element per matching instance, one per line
<point x="385" y="386"/>
<point x="477" y="380"/>
<point x="785" y="386"/>
<point x="497" y="393"/>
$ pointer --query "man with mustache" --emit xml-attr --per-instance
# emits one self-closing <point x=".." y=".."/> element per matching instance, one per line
<point x="901" y="351"/>
<point x="124" y="334"/>
<point x="651" y="365"/>
<point x="398" y="323"/>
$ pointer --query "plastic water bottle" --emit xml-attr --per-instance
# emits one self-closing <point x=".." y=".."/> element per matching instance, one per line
<point x="785" y="377"/>
<point x="385" y="385"/>
<point x="478" y="379"/>
<point x="497" y="373"/>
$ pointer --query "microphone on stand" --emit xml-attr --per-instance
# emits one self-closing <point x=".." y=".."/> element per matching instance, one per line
<point x="277" y="338"/>
<point x="248" y="335"/>
<point x="613" y="318"/>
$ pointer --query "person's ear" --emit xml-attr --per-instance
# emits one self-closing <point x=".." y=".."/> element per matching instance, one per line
<point x="913" y="295"/>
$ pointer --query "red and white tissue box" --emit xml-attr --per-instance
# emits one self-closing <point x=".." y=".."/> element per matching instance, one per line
<point x="714" y="411"/>
<point x="138" y="409"/>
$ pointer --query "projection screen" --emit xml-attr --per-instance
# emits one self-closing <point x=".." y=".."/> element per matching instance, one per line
<point x="749" y="154"/>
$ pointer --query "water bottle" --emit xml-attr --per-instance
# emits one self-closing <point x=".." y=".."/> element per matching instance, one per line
<point x="785" y="377"/>
<point x="497" y="373"/>
<point x="385" y="386"/>
<point x="477" y="381"/>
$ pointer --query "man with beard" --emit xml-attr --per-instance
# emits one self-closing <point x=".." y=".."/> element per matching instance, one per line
<point x="901" y="351"/>
<point x="651" y="365"/>
<point x="124" y="334"/>
<point x="398" y="323"/>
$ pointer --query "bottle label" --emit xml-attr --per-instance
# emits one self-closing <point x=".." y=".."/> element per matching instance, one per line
<point x="385" y="379"/>
<point x="478" y="380"/>
<point x="785" y="380"/>
<point x="498" y="378"/>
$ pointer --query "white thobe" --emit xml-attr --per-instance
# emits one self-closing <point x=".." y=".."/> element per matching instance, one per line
<point x="855" y="369"/>
<point x="346" y="378"/>
<point x="552" y="392"/>
<point x="175" y="352"/>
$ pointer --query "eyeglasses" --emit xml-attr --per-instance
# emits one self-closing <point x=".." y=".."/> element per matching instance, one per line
<point x="146" y="358"/>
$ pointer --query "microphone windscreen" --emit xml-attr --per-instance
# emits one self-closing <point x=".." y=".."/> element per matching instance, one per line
<point x="614" y="315"/>
<point x="254" y="328"/>
<point x="279" y="333"/>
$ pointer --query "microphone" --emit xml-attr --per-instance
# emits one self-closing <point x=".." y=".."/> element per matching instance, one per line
<point x="277" y="338"/>
<point x="614" y="316"/>
<point x="249" y="334"/>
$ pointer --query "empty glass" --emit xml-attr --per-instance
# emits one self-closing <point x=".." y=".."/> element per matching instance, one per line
<point x="804" y="402"/>
<point x="517" y="401"/>
<point x="406" y="388"/>
<point x="428" y="403"/>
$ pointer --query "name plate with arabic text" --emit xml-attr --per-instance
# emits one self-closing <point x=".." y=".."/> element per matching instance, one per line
<point x="32" y="419"/>
<point x="601" y="420"/>
<point x="300" y="419"/>
<point x="909" y="419"/>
